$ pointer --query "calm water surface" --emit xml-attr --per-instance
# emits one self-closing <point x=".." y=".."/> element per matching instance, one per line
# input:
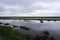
<point x="36" y="27"/>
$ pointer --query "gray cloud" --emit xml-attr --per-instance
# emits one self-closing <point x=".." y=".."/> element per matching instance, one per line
<point x="12" y="7"/>
<point x="2" y="8"/>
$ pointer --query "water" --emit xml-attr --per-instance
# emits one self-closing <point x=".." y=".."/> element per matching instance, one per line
<point x="36" y="27"/>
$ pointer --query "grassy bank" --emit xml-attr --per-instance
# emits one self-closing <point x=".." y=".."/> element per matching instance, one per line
<point x="10" y="34"/>
<point x="7" y="33"/>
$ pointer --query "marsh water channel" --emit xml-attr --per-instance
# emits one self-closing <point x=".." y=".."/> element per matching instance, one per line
<point x="35" y="27"/>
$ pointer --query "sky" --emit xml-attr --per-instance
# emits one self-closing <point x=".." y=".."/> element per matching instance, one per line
<point x="29" y="7"/>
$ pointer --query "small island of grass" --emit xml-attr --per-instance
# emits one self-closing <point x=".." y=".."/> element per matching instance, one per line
<point x="23" y="27"/>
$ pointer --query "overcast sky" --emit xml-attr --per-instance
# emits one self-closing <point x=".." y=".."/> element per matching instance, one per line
<point x="30" y="7"/>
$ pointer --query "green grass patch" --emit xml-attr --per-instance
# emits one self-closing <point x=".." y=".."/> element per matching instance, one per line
<point x="10" y="34"/>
